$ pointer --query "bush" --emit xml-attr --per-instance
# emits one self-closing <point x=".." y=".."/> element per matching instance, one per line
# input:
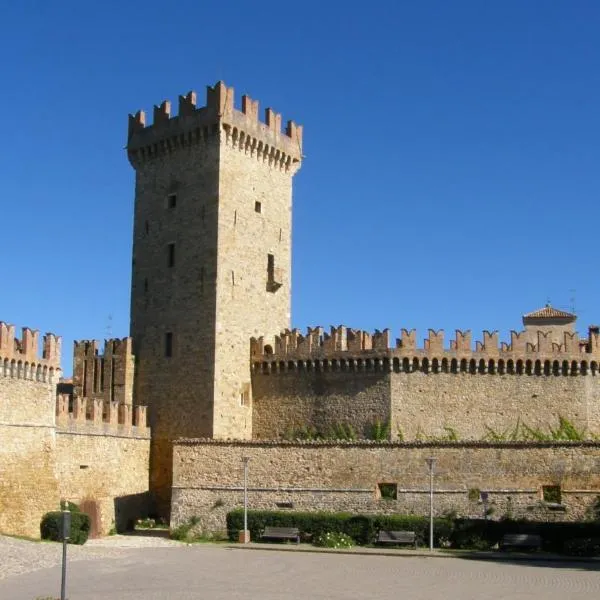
<point x="183" y="531"/>
<point x="333" y="539"/>
<point x="582" y="547"/>
<point x="467" y="532"/>
<point x="362" y="528"/>
<point x="51" y="527"/>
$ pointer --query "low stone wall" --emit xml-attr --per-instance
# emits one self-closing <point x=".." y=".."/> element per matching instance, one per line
<point x="108" y="473"/>
<point x="345" y="476"/>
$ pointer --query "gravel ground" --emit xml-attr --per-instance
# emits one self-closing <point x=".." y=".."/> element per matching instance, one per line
<point x="22" y="556"/>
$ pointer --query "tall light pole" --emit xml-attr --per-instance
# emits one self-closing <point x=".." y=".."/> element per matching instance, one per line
<point x="430" y="463"/>
<point x="245" y="461"/>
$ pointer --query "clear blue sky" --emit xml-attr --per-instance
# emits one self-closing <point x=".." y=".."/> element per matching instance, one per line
<point x="451" y="176"/>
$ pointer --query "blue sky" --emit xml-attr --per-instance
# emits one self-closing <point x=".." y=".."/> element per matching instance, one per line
<point x="451" y="176"/>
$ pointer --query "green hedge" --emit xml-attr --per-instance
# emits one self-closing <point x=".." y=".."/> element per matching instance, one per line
<point x="478" y="534"/>
<point x="51" y="527"/>
<point x="361" y="528"/>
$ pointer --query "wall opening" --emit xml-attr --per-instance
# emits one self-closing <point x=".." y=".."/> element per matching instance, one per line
<point x="274" y="275"/>
<point x="171" y="200"/>
<point x="112" y="379"/>
<point x="387" y="491"/>
<point x="171" y="255"/>
<point x="85" y="378"/>
<point x="551" y="494"/>
<point x="169" y="344"/>
<point x="258" y="207"/>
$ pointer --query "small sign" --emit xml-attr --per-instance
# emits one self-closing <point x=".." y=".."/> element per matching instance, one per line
<point x="66" y="524"/>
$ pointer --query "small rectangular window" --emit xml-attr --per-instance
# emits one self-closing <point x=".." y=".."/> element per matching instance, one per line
<point x="171" y="200"/>
<point x="274" y="275"/>
<point x="146" y="285"/>
<point x="171" y="255"/>
<point x="270" y="266"/>
<point x="245" y="395"/>
<point x="551" y="494"/>
<point x="388" y="491"/>
<point x="258" y="207"/>
<point x="168" y="344"/>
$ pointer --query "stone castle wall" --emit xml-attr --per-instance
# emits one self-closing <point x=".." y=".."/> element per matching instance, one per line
<point x="55" y="448"/>
<point x="107" y="470"/>
<point x="353" y="377"/>
<point x="314" y="476"/>
<point x="290" y="401"/>
<point x="28" y="487"/>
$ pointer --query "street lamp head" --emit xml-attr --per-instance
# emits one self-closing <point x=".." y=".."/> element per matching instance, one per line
<point x="245" y="459"/>
<point x="431" y="461"/>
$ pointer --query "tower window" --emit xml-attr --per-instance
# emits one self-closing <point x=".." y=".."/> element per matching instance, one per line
<point x="274" y="276"/>
<point x="171" y="200"/>
<point x="258" y="207"/>
<point x="171" y="255"/>
<point x="147" y="227"/>
<point x="169" y="344"/>
<point x="146" y="285"/>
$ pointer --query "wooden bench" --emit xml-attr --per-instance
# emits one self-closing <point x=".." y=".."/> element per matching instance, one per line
<point x="281" y="533"/>
<point x="521" y="540"/>
<point x="397" y="537"/>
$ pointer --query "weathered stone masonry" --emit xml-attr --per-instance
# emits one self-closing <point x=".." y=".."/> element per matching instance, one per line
<point x="350" y="376"/>
<point x="211" y="262"/>
<point x="344" y="476"/>
<point x="85" y="449"/>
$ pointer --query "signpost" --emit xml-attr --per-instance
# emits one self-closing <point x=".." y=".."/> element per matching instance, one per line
<point x="66" y="534"/>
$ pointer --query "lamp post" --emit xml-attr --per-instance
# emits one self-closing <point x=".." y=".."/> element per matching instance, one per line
<point x="430" y="464"/>
<point x="245" y="537"/>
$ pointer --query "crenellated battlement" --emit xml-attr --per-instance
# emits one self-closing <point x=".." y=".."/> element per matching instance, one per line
<point x="95" y="416"/>
<point x="20" y="359"/>
<point x="26" y="349"/>
<point x="344" y="348"/>
<point x="107" y="376"/>
<point x="242" y="129"/>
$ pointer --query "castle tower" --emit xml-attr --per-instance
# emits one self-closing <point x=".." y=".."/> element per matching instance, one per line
<point x="211" y="262"/>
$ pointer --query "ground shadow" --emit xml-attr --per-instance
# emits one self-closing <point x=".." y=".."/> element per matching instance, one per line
<point x="553" y="561"/>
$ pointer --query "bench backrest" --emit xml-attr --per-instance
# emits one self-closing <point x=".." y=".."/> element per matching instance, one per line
<point x="521" y="538"/>
<point x="291" y="531"/>
<point x="397" y="536"/>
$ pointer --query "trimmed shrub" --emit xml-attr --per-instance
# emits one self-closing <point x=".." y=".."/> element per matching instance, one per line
<point x="582" y="547"/>
<point x="51" y="527"/>
<point x="469" y="532"/>
<point x="362" y="528"/>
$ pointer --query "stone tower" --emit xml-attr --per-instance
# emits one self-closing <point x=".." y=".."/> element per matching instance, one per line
<point x="211" y="262"/>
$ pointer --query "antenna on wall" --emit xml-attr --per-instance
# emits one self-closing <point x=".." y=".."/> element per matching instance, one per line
<point x="572" y="301"/>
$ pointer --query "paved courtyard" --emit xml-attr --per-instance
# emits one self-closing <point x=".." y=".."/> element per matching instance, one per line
<point x="167" y="570"/>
